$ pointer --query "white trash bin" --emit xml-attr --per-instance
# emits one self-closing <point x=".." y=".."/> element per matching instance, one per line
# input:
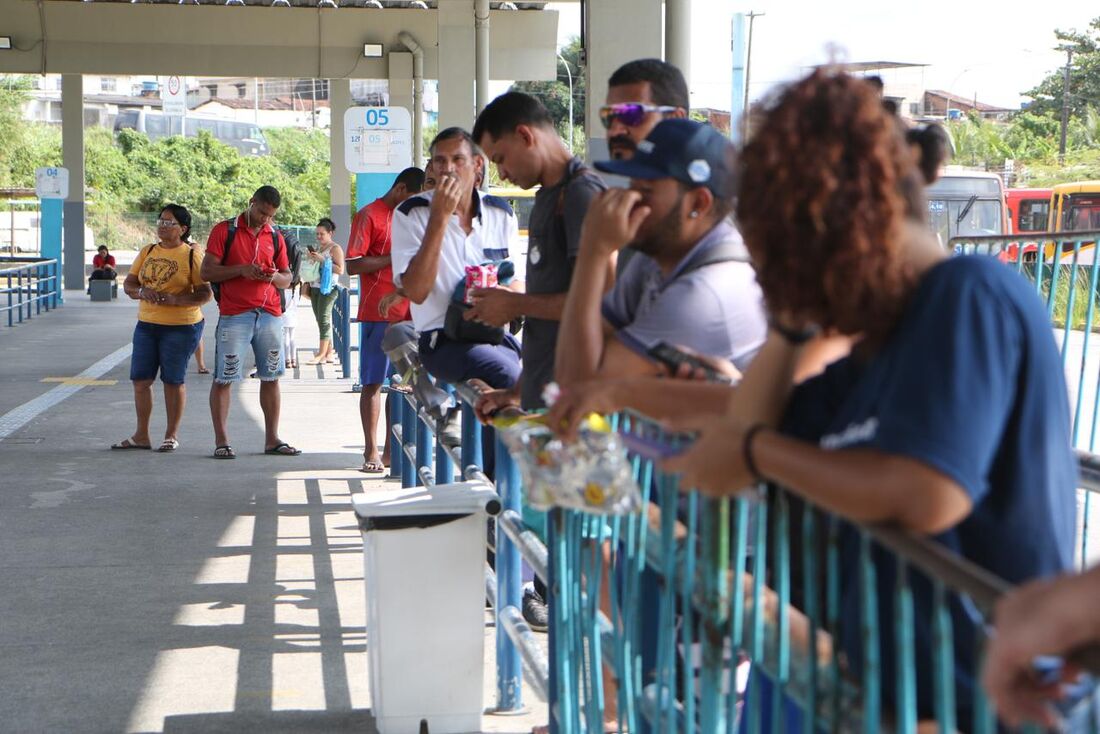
<point x="424" y="567"/>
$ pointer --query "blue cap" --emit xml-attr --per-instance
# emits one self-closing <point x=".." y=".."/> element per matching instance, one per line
<point x="691" y="152"/>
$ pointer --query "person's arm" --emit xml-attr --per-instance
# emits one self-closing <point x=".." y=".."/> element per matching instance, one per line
<point x="213" y="271"/>
<point x="197" y="297"/>
<point x="611" y="223"/>
<point x="368" y="264"/>
<point x="419" y="277"/>
<point x="655" y="397"/>
<point x="863" y="485"/>
<point x="1049" y="617"/>
<point x="337" y="260"/>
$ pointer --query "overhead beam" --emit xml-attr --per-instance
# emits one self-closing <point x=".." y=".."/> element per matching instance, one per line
<point x="215" y="40"/>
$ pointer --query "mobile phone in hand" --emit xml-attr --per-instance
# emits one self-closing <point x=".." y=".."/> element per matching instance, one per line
<point x="672" y="358"/>
<point x="653" y="447"/>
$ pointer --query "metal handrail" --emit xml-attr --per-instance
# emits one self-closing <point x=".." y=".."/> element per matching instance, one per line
<point x="30" y="288"/>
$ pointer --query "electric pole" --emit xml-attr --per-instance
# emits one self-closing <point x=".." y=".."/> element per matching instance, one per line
<point x="748" y="73"/>
<point x="1065" y="107"/>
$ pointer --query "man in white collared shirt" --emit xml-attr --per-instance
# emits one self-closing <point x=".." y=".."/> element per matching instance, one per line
<point x="436" y="234"/>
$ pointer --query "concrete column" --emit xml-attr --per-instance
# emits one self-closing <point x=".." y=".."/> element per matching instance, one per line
<point x="72" y="157"/>
<point x="618" y="31"/>
<point x="339" y="178"/>
<point x="481" y="50"/>
<point x="678" y="35"/>
<point x="401" y="88"/>
<point x="457" y="104"/>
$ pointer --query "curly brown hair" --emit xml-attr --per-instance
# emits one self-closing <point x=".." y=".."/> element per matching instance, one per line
<point x="827" y="184"/>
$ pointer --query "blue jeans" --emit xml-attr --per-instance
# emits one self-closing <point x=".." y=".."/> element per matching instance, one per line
<point x="235" y="334"/>
<point x="164" y="348"/>
<point x="456" y="362"/>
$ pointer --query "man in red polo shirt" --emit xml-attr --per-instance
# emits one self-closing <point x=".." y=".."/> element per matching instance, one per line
<point x="249" y="269"/>
<point x="369" y="258"/>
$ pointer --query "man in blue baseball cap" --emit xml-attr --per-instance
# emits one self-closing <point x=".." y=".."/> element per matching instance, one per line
<point x="690" y="284"/>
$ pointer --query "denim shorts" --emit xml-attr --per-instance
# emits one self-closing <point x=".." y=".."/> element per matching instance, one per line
<point x="235" y="334"/>
<point x="374" y="366"/>
<point x="166" y="349"/>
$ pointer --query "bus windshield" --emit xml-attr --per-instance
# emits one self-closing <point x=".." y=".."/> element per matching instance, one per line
<point x="1081" y="213"/>
<point x="952" y="217"/>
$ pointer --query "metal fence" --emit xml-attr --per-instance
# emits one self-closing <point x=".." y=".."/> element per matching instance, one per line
<point x="29" y="286"/>
<point x="342" y="329"/>
<point x="656" y="618"/>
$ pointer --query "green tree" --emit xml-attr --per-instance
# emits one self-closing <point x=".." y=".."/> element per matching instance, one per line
<point x="1084" y="76"/>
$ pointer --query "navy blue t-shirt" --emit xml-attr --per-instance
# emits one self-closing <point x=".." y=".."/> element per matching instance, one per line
<point x="970" y="384"/>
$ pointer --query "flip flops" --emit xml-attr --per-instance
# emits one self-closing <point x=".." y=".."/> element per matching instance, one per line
<point x="128" y="444"/>
<point x="282" y="449"/>
<point x="169" y="444"/>
<point x="373" y="467"/>
<point x="225" y="452"/>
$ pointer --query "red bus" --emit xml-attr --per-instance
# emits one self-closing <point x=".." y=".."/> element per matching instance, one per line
<point x="1028" y="209"/>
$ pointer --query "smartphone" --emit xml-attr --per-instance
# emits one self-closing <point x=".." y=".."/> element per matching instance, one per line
<point x="672" y="358"/>
<point x="655" y="447"/>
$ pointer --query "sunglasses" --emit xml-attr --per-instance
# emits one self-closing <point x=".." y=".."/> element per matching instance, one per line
<point x="630" y="114"/>
<point x="167" y="222"/>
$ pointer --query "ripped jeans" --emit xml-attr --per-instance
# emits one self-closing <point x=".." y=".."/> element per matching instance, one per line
<point x="234" y="334"/>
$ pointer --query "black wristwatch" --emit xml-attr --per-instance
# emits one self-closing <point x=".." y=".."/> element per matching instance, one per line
<point x="794" y="337"/>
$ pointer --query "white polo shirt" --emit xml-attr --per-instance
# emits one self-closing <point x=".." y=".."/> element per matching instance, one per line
<point x="495" y="234"/>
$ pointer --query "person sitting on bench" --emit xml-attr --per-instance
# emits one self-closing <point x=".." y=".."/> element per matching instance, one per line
<point x="103" y="265"/>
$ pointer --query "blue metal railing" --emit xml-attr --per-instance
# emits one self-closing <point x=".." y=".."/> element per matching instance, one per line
<point x="655" y="616"/>
<point x="27" y="287"/>
<point x="698" y="582"/>
<point x="341" y="329"/>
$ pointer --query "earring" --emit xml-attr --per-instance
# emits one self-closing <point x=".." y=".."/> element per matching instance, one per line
<point x="694" y="215"/>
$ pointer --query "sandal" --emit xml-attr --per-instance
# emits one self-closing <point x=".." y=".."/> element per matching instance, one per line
<point x="282" y="449"/>
<point x="204" y="371"/>
<point x="129" y="444"/>
<point x="225" y="452"/>
<point x="169" y="444"/>
<point x="373" y="467"/>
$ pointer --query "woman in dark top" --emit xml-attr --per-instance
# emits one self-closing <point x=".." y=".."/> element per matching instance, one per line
<point x="949" y="418"/>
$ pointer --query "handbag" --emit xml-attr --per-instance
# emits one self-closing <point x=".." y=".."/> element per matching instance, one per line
<point x="458" y="329"/>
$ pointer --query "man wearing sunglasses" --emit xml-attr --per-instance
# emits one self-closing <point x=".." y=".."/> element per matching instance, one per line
<point x="690" y="283"/>
<point x="640" y="94"/>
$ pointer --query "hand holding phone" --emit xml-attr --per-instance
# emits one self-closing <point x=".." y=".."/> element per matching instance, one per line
<point x="672" y="358"/>
<point x="656" y="448"/>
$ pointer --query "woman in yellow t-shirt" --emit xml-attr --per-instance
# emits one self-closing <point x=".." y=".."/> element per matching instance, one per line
<point x="165" y="279"/>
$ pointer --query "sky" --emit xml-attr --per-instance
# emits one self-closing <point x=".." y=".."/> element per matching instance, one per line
<point x="994" y="49"/>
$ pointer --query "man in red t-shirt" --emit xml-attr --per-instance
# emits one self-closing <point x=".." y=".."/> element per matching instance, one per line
<point x="369" y="258"/>
<point x="249" y="270"/>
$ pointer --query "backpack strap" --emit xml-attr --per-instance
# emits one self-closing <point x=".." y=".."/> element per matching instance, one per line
<point x="723" y="253"/>
<point x="229" y="235"/>
<point x="559" y="207"/>
<point x="581" y="170"/>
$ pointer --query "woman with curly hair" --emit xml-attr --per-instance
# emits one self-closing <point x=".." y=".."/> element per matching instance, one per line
<point x="949" y="417"/>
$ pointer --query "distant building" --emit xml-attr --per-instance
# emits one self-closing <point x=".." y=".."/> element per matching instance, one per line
<point x="938" y="103"/>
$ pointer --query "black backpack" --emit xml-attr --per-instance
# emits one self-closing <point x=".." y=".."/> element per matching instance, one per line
<point x="294" y="249"/>
<point x="275" y="239"/>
